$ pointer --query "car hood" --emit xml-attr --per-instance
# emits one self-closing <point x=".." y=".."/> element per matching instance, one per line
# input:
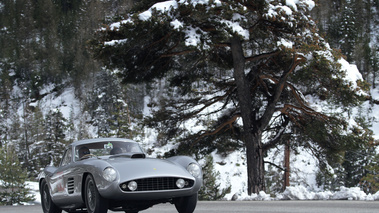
<point x="131" y="169"/>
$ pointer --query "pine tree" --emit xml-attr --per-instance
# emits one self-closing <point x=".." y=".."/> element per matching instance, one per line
<point x="375" y="66"/>
<point x="237" y="62"/>
<point x="358" y="157"/>
<point x="120" y="122"/>
<point x="102" y="102"/>
<point x="5" y="103"/>
<point x="38" y="155"/>
<point x="12" y="177"/>
<point x="348" y="32"/>
<point x="370" y="182"/>
<point x="55" y="139"/>
<point x="211" y="189"/>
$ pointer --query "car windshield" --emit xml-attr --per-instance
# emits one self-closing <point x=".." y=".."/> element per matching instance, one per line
<point x="105" y="149"/>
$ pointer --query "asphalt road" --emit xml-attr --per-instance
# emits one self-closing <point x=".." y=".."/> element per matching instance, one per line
<point x="247" y="206"/>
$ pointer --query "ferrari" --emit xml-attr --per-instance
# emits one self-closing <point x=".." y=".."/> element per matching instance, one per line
<point x="97" y="175"/>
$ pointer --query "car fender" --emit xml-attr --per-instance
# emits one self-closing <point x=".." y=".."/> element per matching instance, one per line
<point x="46" y="173"/>
<point x="183" y="161"/>
<point x="95" y="167"/>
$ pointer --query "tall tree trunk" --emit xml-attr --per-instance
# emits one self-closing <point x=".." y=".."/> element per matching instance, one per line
<point x="252" y="134"/>
<point x="256" y="162"/>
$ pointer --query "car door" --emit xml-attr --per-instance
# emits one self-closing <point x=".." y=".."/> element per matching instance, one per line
<point x="66" y="178"/>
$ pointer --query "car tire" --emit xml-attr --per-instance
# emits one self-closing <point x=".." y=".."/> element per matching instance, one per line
<point x="48" y="206"/>
<point x="186" y="204"/>
<point x="95" y="203"/>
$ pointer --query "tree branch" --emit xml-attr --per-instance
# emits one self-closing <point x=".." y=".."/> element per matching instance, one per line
<point x="219" y="128"/>
<point x="264" y="55"/>
<point x="168" y="35"/>
<point x="270" y="109"/>
<point x="276" y="140"/>
<point x="273" y="164"/>
<point x="209" y="103"/>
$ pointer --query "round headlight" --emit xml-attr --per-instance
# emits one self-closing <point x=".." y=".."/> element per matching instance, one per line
<point x="180" y="183"/>
<point x="109" y="174"/>
<point x="194" y="169"/>
<point x="132" y="185"/>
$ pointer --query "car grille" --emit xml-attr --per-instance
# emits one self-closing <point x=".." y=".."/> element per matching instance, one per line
<point x="70" y="185"/>
<point x="156" y="184"/>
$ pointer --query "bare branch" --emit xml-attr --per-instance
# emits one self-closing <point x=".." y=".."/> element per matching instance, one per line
<point x="273" y="164"/>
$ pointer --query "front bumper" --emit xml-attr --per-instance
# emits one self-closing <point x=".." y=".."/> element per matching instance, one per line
<point x="114" y="192"/>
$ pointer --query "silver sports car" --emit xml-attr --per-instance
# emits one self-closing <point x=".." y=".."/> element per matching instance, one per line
<point x="112" y="173"/>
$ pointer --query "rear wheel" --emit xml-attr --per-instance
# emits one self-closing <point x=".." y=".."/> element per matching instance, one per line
<point x="186" y="204"/>
<point x="95" y="203"/>
<point x="47" y="204"/>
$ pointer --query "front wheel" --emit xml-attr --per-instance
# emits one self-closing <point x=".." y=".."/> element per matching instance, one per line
<point x="47" y="204"/>
<point x="94" y="201"/>
<point x="186" y="204"/>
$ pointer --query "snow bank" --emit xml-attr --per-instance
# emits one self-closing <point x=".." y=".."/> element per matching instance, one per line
<point x="354" y="193"/>
<point x="302" y="193"/>
<point x="297" y="193"/>
<point x="261" y="196"/>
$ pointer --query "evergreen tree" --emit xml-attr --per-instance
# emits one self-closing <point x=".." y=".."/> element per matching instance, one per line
<point x="12" y="177"/>
<point x="38" y="155"/>
<point x="82" y="127"/>
<point x="370" y="182"/>
<point x="347" y="31"/>
<point x="55" y="137"/>
<point x="356" y="158"/>
<point x="5" y="103"/>
<point x="31" y="129"/>
<point x="237" y="62"/>
<point x="375" y="65"/>
<point x="14" y="130"/>
<point x="114" y="106"/>
<point x="211" y="189"/>
<point x="120" y="122"/>
<point x="102" y="102"/>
